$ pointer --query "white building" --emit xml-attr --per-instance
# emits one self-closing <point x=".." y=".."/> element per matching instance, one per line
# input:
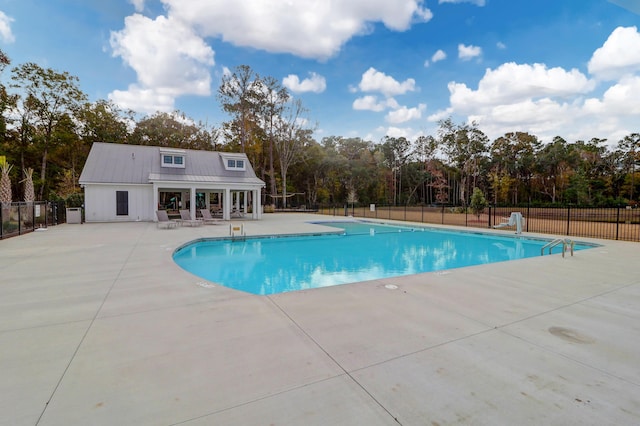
<point x="130" y="182"/>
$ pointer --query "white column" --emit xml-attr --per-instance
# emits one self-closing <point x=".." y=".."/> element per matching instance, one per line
<point x="255" y="205"/>
<point x="192" y="202"/>
<point x="244" y="201"/>
<point x="226" y="204"/>
<point x="156" y="197"/>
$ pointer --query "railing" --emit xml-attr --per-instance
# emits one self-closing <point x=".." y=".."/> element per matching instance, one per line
<point x="21" y="218"/>
<point x="615" y="223"/>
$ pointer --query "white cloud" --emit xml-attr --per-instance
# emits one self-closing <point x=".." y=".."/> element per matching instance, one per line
<point x="170" y="60"/>
<point x="305" y="28"/>
<point x="401" y="132"/>
<point x="436" y="57"/>
<point x="476" y="2"/>
<point x="620" y="99"/>
<point x="371" y="103"/>
<point x="138" y="5"/>
<point x="468" y="52"/>
<point x="440" y="115"/>
<point x="512" y="83"/>
<point x="6" y="34"/>
<point x="143" y="100"/>
<point x="404" y="114"/>
<point x="619" y="55"/>
<point x="500" y="45"/>
<point x="376" y="81"/>
<point x="549" y="101"/>
<point x="315" y="83"/>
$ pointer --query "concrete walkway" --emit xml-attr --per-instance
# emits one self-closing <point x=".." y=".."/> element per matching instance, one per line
<point x="98" y="326"/>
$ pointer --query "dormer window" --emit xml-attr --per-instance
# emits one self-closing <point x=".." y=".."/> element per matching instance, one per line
<point x="172" y="158"/>
<point x="234" y="162"/>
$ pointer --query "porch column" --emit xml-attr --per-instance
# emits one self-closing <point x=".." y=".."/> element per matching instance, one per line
<point x="192" y="202"/>
<point x="156" y="197"/>
<point x="255" y="203"/>
<point x="244" y="201"/>
<point x="226" y="204"/>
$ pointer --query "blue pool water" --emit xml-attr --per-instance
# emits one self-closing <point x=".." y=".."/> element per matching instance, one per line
<point x="359" y="251"/>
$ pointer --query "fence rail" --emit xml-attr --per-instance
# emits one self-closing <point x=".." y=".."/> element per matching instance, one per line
<point x="614" y="223"/>
<point x="21" y="218"/>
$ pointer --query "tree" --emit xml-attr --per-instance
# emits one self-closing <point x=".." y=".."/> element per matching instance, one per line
<point x="513" y="159"/>
<point x="29" y="193"/>
<point x="103" y="121"/>
<point x="240" y="94"/>
<point x="51" y="96"/>
<point x="478" y="202"/>
<point x="273" y="101"/>
<point x="397" y="152"/>
<point x="5" y="183"/>
<point x="291" y="140"/>
<point x="629" y="147"/>
<point x="7" y="102"/>
<point x="171" y="130"/>
<point x="465" y="145"/>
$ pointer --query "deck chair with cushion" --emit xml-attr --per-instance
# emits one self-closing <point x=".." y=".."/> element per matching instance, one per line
<point x="164" y="221"/>
<point x="185" y="219"/>
<point x="208" y="219"/>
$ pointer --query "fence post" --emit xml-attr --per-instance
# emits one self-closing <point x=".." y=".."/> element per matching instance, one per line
<point x="405" y="212"/>
<point x="489" y="218"/>
<point x="1" y="220"/>
<point x="422" y="214"/>
<point x="617" y="222"/>
<point x="568" y="218"/>
<point x="19" y="221"/>
<point x="442" y="218"/>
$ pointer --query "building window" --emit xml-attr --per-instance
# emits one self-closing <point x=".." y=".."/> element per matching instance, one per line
<point x="172" y="158"/>
<point x="233" y="162"/>
<point x="122" y="203"/>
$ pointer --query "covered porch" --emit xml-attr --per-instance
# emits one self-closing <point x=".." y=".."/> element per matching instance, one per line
<point x="223" y="201"/>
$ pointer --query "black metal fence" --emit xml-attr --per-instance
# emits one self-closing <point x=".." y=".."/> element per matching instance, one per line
<point x="615" y="223"/>
<point x="21" y="218"/>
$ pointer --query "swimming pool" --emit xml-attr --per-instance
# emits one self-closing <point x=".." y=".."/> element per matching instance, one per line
<point x="358" y="251"/>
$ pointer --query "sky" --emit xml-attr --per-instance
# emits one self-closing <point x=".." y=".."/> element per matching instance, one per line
<point x="362" y="68"/>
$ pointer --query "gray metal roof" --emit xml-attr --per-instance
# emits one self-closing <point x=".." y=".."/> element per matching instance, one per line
<point x="140" y="164"/>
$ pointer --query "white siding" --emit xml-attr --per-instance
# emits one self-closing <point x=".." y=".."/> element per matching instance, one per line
<point x="100" y="203"/>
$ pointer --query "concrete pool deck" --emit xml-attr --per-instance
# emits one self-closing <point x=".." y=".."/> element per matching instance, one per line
<point x="99" y="326"/>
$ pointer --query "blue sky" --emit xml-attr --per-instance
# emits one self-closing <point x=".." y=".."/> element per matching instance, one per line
<point x="363" y="68"/>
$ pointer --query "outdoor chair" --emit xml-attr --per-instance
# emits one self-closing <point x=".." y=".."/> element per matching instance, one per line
<point x="237" y="213"/>
<point x="185" y="219"/>
<point x="208" y="219"/>
<point x="164" y="221"/>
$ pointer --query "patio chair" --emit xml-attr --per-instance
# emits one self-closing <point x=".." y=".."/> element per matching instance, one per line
<point x="237" y="213"/>
<point x="164" y="221"/>
<point x="208" y="219"/>
<point x="185" y="219"/>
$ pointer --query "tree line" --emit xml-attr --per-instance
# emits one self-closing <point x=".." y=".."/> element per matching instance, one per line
<point x="47" y="125"/>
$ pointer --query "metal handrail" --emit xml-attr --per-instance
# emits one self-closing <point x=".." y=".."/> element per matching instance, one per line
<point x="566" y="242"/>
